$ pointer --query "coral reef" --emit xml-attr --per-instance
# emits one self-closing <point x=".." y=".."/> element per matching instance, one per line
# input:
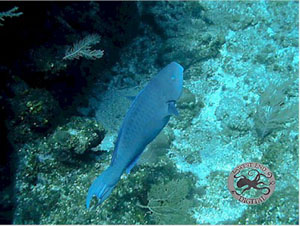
<point x="189" y="108"/>
<point x="74" y="138"/>
<point x="233" y="115"/>
<point x="47" y="165"/>
<point x="34" y="111"/>
<point x="63" y="120"/>
<point x="56" y="190"/>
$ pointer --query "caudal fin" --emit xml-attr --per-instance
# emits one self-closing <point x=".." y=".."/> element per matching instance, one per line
<point x="102" y="186"/>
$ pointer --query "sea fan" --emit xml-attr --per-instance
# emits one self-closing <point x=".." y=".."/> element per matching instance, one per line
<point x="272" y="110"/>
<point x="83" y="49"/>
<point x="170" y="203"/>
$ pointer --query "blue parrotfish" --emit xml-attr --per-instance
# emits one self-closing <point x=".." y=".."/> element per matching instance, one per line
<point x="148" y="114"/>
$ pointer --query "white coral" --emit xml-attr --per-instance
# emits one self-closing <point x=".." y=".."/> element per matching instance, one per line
<point x="83" y="49"/>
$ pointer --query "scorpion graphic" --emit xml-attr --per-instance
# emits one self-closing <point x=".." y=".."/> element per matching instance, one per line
<point x="252" y="183"/>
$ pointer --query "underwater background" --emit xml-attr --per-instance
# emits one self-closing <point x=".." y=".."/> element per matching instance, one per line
<point x="66" y="69"/>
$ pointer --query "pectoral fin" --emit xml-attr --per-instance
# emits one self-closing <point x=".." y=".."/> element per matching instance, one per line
<point x="172" y="108"/>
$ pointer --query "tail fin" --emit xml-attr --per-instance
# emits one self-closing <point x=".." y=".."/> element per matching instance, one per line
<point x="103" y="186"/>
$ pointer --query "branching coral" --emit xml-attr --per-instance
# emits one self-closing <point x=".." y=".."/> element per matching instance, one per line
<point x="10" y="13"/>
<point x="83" y="49"/>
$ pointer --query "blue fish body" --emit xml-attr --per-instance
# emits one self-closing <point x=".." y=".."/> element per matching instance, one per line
<point x="149" y="112"/>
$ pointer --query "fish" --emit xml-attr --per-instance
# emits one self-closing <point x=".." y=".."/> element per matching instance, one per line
<point x="148" y="114"/>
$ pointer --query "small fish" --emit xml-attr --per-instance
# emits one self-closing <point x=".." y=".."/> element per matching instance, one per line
<point x="148" y="114"/>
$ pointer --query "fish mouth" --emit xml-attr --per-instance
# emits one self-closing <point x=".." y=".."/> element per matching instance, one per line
<point x="178" y="65"/>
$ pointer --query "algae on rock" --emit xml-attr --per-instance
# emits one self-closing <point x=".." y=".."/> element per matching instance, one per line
<point x="75" y="138"/>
